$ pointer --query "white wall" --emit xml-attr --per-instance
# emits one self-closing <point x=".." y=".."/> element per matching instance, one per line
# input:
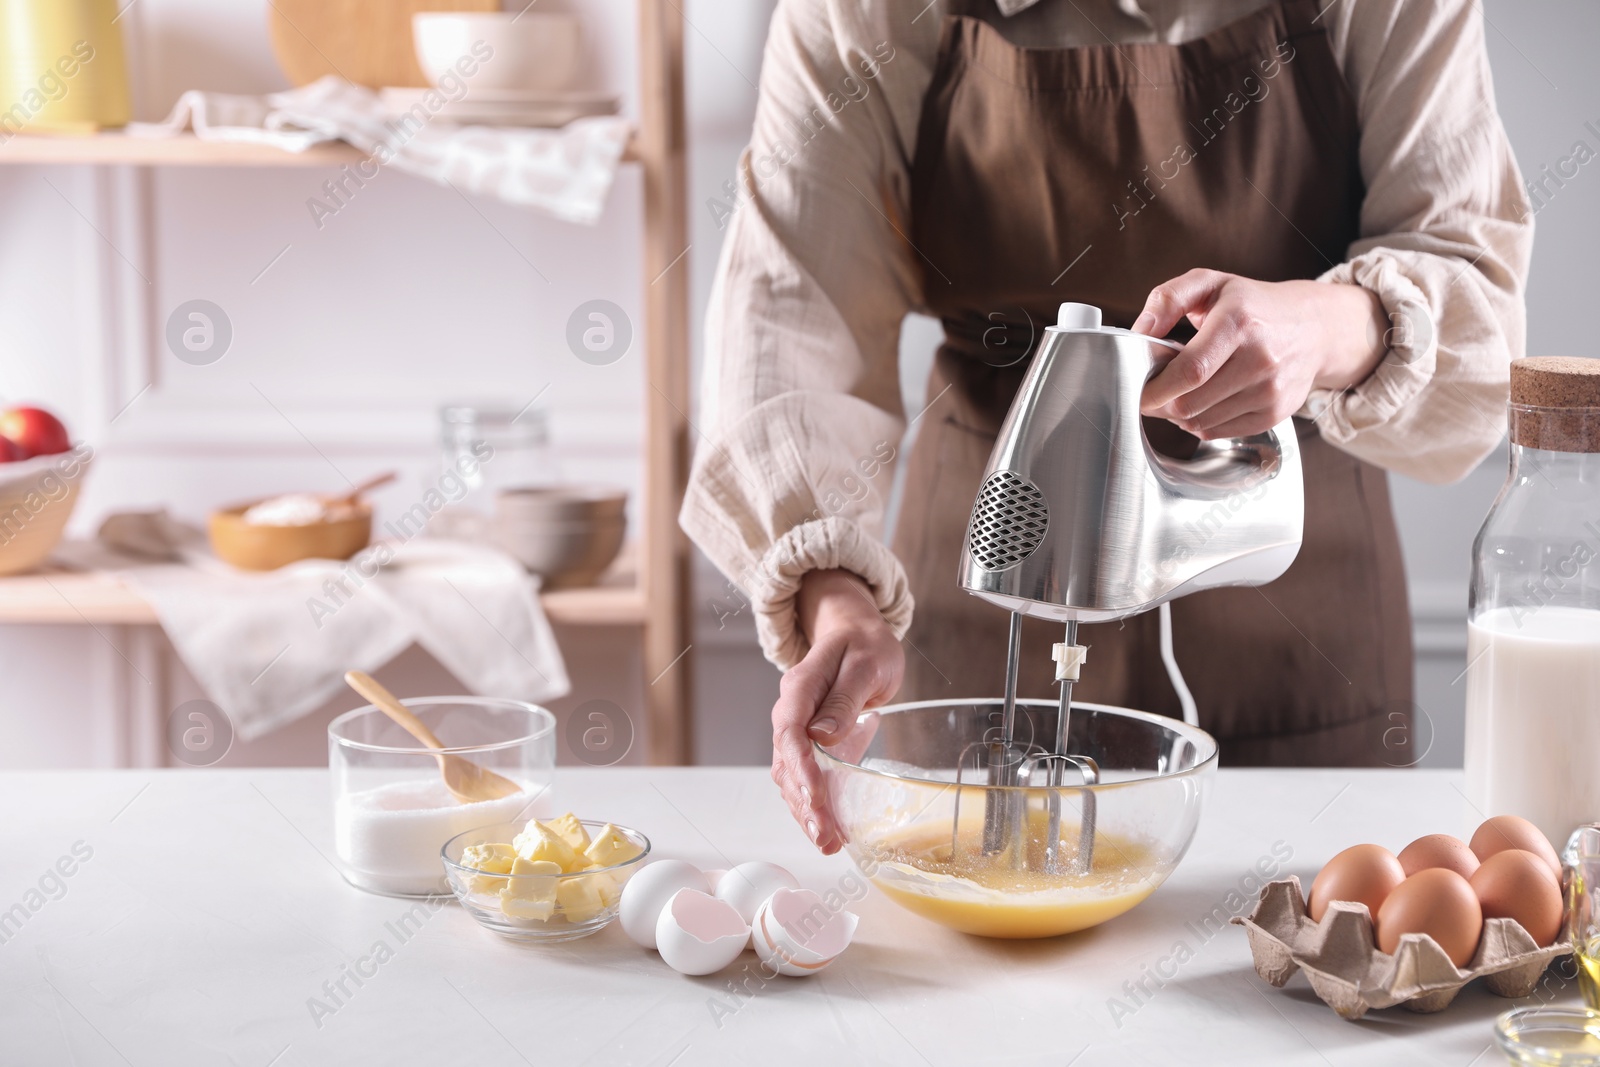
<point x="410" y="298"/>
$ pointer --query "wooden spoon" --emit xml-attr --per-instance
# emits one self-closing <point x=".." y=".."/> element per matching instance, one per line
<point x="467" y="781"/>
<point x="349" y="499"/>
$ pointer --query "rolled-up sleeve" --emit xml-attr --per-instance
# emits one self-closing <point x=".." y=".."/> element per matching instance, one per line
<point x="800" y="417"/>
<point x="1446" y="235"/>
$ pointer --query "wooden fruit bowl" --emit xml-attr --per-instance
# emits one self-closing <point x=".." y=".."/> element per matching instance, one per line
<point x="36" y="500"/>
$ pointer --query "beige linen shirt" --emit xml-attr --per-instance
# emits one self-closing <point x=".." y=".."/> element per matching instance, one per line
<point x="801" y="410"/>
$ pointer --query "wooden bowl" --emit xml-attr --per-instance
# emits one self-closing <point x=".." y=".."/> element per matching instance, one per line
<point x="36" y="500"/>
<point x="257" y="547"/>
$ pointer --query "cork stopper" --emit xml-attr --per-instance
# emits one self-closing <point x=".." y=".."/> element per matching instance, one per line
<point x="1555" y="403"/>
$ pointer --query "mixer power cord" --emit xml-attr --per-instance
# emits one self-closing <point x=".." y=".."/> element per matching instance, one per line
<point x="1185" y="698"/>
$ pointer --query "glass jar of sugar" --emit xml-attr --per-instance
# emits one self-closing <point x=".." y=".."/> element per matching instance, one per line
<point x="391" y="811"/>
<point x="1533" y="629"/>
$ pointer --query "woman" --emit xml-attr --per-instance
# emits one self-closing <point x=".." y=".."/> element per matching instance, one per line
<point x="1321" y="201"/>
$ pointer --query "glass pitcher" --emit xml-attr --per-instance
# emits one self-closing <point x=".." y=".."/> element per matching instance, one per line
<point x="1533" y="630"/>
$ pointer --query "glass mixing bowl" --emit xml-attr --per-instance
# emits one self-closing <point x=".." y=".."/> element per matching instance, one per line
<point x="919" y="836"/>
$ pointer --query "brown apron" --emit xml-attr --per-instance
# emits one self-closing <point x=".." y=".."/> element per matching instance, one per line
<point x="1094" y="174"/>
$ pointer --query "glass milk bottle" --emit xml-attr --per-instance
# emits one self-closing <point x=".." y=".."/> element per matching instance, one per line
<point x="1533" y="619"/>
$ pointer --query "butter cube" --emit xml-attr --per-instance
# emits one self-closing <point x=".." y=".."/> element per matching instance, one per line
<point x="542" y="874"/>
<point x="570" y="830"/>
<point x="534" y="895"/>
<point x="582" y="899"/>
<point x="520" y="908"/>
<point x="611" y="848"/>
<point x="538" y="843"/>
<point x="495" y="858"/>
<point x="607" y="885"/>
<point x="491" y="859"/>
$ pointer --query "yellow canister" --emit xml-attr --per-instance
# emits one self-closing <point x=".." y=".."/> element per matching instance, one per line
<point x="62" y="68"/>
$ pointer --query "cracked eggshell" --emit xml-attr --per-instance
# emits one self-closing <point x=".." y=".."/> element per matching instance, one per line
<point x="699" y="934"/>
<point x="646" y="894"/>
<point x="713" y="877"/>
<point x="748" y="886"/>
<point x="795" y="934"/>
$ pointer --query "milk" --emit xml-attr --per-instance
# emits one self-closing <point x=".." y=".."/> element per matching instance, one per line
<point x="1533" y="716"/>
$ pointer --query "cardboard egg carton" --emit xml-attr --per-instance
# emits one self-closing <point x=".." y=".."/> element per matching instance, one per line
<point x="1345" y="968"/>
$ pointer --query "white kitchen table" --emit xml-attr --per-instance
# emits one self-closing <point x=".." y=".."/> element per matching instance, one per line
<point x="203" y="917"/>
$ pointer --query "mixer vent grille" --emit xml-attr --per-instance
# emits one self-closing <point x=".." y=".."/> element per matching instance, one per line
<point x="1009" y="520"/>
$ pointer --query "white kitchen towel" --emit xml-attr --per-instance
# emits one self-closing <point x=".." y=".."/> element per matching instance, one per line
<point x="567" y="172"/>
<point x="228" y="117"/>
<point x="270" y="647"/>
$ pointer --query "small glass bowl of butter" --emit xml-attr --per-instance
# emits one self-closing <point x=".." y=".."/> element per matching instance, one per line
<point x="551" y="880"/>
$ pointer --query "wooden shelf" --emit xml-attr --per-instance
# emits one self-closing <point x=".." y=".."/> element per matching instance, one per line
<point x="100" y="599"/>
<point x="654" y="594"/>
<point x="185" y="150"/>
<point x="599" y="605"/>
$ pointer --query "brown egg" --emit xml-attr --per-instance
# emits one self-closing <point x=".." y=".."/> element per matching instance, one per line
<point x="1364" y="874"/>
<point x="1509" y="831"/>
<point x="1515" y="884"/>
<point x="1438" y="850"/>
<point x="1438" y="903"/>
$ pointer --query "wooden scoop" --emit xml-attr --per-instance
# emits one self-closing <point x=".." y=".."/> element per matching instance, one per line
<point x="349" y="499"/>
<point x="467" y="781"/>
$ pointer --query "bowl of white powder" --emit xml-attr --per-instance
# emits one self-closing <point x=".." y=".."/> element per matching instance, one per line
<point x="268" y="534"/>
<point x="391" y="810"/>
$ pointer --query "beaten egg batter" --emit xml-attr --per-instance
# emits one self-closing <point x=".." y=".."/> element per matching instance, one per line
<point x="980" y="894"/>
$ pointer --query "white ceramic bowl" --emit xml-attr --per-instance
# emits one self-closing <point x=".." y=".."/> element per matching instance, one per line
<point x="528" y="52"/>
<point x="568" y="534"/>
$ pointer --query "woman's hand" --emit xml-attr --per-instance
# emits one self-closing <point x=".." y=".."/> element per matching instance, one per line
<point x="855" y="663"/>
<point x="1261" y="347"/>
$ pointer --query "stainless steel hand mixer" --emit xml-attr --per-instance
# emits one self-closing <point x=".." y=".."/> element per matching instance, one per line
<point x="1080" y="519"/>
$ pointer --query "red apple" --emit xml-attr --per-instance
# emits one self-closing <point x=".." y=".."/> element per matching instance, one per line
<point x="34" y="431"/>
<point x="9" y="453"/>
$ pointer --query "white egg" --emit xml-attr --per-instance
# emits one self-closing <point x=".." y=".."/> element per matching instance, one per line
<point x="795" y="933"/>
<point x="713" y="876"/>
<point x="647" y="892"/>
<point x="699" y="934"/>
<point x="748" y="886"/>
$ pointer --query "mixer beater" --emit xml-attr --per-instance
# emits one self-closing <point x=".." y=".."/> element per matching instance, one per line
<point x="1006" y="821"/>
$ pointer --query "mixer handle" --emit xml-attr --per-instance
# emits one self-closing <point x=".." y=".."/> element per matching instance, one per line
<point x="1223" y="465"/>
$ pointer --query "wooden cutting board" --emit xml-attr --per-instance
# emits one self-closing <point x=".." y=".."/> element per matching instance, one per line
<point x="366" y="41"/>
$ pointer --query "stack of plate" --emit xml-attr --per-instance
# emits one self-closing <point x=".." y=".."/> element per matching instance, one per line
<point x="507" y="107"/>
